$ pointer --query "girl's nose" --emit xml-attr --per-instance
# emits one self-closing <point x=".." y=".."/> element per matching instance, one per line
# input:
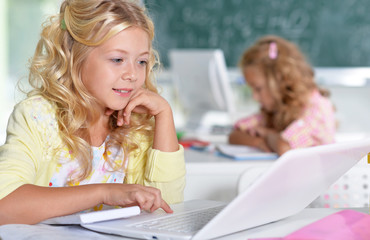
<point x="129" y="73"/>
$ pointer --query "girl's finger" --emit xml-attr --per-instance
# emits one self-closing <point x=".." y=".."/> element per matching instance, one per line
<point x="136" y="104"/>
<point x="251" y="132"/>
<point x="166" y="207"/>
<point x="120" y="118"/>
<point x="108" y="112"/>
<point x="157" y="203"/>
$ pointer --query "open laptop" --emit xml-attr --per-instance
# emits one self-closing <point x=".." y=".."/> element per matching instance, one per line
<point x="287" y="187"/>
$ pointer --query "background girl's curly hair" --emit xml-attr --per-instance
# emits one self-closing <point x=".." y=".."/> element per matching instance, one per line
<point x="289" y="76"/>
<point x="66" y="40"/>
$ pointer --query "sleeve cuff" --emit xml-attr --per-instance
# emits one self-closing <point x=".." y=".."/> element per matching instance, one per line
<point x="165" y="166"/>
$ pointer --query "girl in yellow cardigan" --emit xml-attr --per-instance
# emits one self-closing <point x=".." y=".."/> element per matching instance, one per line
<point x="94" y="131"/>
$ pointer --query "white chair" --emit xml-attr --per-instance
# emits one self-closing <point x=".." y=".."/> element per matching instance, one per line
<point x="249" y="176"/>
<point x="350" y="191"/>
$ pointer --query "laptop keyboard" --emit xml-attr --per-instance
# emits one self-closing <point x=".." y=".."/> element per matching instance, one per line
<point x="183" y="223"/>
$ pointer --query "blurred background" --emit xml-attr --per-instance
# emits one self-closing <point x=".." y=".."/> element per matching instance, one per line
<point x="334" y="36"/>
<point x="20" y="22"/>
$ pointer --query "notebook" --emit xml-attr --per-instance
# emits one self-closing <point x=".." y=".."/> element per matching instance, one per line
<point x="291" y="183"/>
<point x="242" y="152"/>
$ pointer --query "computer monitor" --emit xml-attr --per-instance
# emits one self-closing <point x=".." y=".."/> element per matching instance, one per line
<point x="201" y="80"/>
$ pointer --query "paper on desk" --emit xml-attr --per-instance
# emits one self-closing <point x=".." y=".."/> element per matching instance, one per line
<point x="343" y="225"/>
<point x="242" y="152"/>
<point x="47" y="232"/>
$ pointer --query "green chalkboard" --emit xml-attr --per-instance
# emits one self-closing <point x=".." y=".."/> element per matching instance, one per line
<point x="329" y="32"/>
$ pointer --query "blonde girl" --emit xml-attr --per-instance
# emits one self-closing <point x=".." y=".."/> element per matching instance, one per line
<point x="93" y="132"/>
<point x="294" y="112"/>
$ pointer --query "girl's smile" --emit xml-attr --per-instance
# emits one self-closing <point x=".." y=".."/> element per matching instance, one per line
<point x="123" y="92"/>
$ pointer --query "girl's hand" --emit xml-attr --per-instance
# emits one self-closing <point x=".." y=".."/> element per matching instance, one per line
<point x="262" y="145"/>
<point x="273" y="140"/>
<point x="245" y="138"/>
<point x="262" y="131"/>
<point x="143" y="101"/>
<point x="147" y="198"/>
<point x="253" y="132"/>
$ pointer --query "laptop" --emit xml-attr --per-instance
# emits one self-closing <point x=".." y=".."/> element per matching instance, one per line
<point x="292" y="182"/>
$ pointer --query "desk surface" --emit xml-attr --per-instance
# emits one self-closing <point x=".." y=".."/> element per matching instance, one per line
<point x="213" y="177"/>
<point x="206" y="162"/>
<point x="277" y="229"/>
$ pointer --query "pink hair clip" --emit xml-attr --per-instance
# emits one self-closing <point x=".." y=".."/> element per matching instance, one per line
<point x="273" y="51"/>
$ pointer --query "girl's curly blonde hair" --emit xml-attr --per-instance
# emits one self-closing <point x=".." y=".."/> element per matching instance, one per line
<point x="289" y="76"/>
<point x="55" y="73"/>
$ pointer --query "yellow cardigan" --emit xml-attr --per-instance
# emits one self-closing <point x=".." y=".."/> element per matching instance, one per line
<point x="28" y="155"/>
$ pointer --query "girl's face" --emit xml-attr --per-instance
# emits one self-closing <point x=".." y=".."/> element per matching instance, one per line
<point x="257" y="81"/>
<point x="115" y="70"/>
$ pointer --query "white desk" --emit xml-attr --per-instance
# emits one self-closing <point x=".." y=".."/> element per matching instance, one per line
<point x="277" y="229"/>
<point x="214" y="177"/>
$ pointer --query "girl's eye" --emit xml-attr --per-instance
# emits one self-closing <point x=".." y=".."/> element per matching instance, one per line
<point x="143" y="62"/>
<point x="117" y="60"/>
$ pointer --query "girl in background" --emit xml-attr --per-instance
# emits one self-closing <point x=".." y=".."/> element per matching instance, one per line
<point x="93" y="131"/>
<point x="294" y="112"/>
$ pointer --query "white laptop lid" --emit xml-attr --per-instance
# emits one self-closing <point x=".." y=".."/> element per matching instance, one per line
<point x="288" y="186"/>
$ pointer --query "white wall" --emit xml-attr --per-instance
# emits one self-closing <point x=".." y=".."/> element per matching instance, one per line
<point x="4" y="89"/>
<point x="19" y="33"/>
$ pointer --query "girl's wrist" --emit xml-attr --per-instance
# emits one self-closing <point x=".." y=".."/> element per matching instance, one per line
<point x="101" y="191"/>
<point x="165" y="113"/>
